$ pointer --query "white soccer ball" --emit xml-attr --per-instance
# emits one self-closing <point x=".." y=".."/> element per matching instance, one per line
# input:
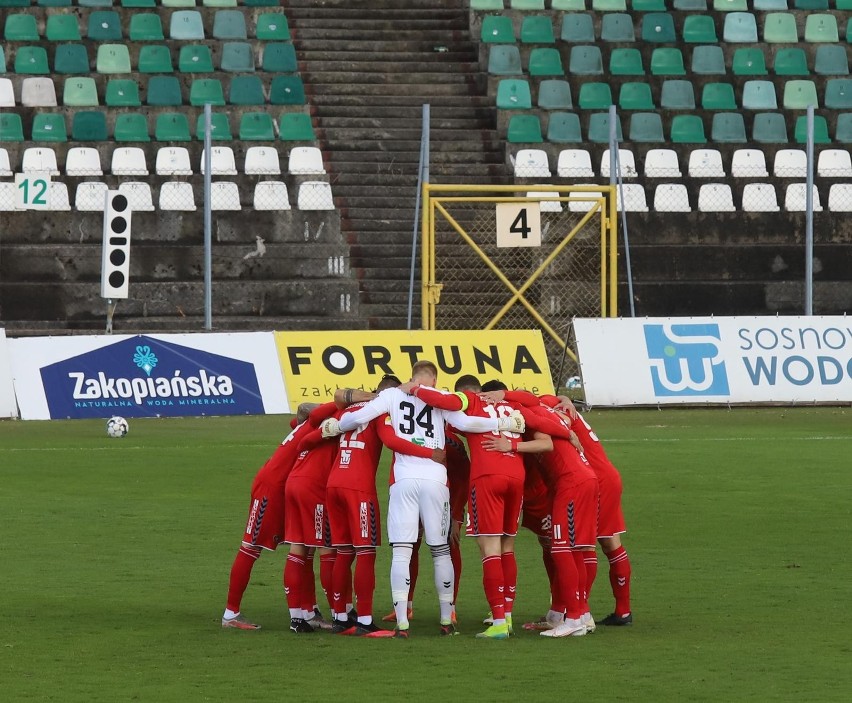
<point x="573" y="383"/>
<point x="117" y="427"/>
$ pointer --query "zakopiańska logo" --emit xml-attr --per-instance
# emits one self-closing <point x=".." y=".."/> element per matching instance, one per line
<point x="685" y="360"/>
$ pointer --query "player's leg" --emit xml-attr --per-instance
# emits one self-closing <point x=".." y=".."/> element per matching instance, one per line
<point x="512" y="492"/>
<point x="237" y="584"/>
<point x="455" y="556"/>
<point x="619" y="579"/>
<point x="435" y="516"/>
<point x="403" y="526"/>
<point x="295" y="586"/>
<point x="414" y="571"/>
<point x="366" y="530"/>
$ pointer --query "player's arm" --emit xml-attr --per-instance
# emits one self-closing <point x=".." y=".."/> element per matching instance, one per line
<point x="321" y="413"/>
<point x="478" y="425"/>
<point x="540" y="442"/>
<point x="525" y="398"/>
<point x="540" y="422"/>
<point x="440" y="399"/>
<point x="310" y="440"/>
<point x="344" y="397"/>
<point x="402" y="446"/>
<point x="356" y="418"/>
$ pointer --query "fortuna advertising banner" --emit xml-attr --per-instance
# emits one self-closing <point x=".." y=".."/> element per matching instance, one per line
<point x="8" y="407"/>
<point x="715" y="360"/>
<point x="147" y="376"/>
<point x="315" y="364"/>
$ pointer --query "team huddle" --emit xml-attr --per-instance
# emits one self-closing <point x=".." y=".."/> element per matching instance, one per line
<point x="530" y="460"/>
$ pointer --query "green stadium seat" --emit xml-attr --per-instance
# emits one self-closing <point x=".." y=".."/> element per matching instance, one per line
<point x="708" y="61"/>
<point x="800" y="131"/>
<point x="627" y="62"/>
<point x="524" y="129"/>
<point x="504" y="60"/>
<point x="699" y="29"/>
<point x="730" y="5"/>
<point x="279" y="57"/>
<point x="545" y="61"/>
<point x="646" y="127"/>
<point x="568" y="5"/>
<point x="759" y="95"/>
<point x="261" y="3"/>
<point x="71" y="59"/>
<point x="14" y="3"/>
<point x="526" y="4"/>
<point x="186" y="25"/>
<point x="51" y="3"/>
<point x="821" y="28"/>
<point x="220" y="125"/>
<point x="617" y="27"/>
<point x="20" y="27"/>
<point x="219" y="3"/>
<point x="564" y="128"/>
<point x="799" y="94"/>
<point x="599" y="128"/>
<point x="740" y="28"/>
<point x="554" y="94"/>
<point x="155" y="58"/>
<point x="272" y="26"/>
<point x="843" y="131"/>
<point x="11" y="128"/>
<point x="257" y="126"/>
<point x="146" y="26"/>
<point x="830" y="60"/>
<point x="122" y="92"/>
<point x="577" y="29"/>
<point x="229" y="24"/>
<point x="667" y="61"/>
<point x="94" y="3"/>
<point x="609" y="5"/>
<point x="132" y="127"/>
<point x="728" y="128"/>
<point x="649" y="5"/>
<point x="80" y="92"/>
<point x="246" y="90"/>
<point x="206" y="90"/>
<point x="769" y="128"/>
<point x="770" y="5"/>
<point x="62" y="28"/>
<point x="138" y="3"/>
<point x="164" y="91"/>
<point x="791" y="62"/>
<point x="838" y="94"/>
<point x="677" y="95"/>
<point x="287" y="90"/>
<point x="537" y="29"/>
<point x="89" y="126"/>
<point x="636" y="96"/>
<point x="195" y="58"/>
<point x="811" y="4"/>
<point x="49" y="128"/>
<point x="687" y="129"/>
<point x="474" y="4"/>
<point x="172" y="127"/>
<point x="104" y="26"/>
<point x="296" y="126"/>
<point x="749" y="62"/>
<point x="658" y="28"/>
<point x="513" y="94"/>
<point x="586" y="61"/>
<point x="595" y="96"/>
<point x="31" y="60"/>
<point x="843" y="4"/>
<point x="177" y="3"/>
<point x="718" y="96"/>
<point x="780" y="28"/>
<point x="690" y="5"/>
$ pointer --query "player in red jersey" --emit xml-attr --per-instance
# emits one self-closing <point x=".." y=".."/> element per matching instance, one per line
<point x="265" y="526"/>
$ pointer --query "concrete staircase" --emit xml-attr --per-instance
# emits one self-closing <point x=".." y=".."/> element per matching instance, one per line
<point x="368" y="71"/>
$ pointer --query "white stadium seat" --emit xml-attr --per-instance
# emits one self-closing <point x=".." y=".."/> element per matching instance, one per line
<point x="626" y="163"/>
<point x="224" y="195"/>
<point x="634" y="198"/>
<point x="129" y="161"/>
<point x="790" y="163"/>
<point x="574" y="163"/>
<point x="90" y="196"/>
<point x="715" y="197"/>
<point x="583" y="205"/>
<point x="39" y="158"/>
<point x="138" y="195"/>
<point x="840" y="197"/>
<point x="549" y="200"/>
<point x="57" y="199"/>
<point x="5" y="166"/>
<point x="794" y="198"/>
<point x="83" y="161"/>
<point x="315" y="195"/>
<point x="305" y="160"/>
<point x="662" y="163"/>
<point x="7" y="93"/>
<point x="749" y="163"/>
<point x="834" y="163"/>
<point x="176" y="196"/>
<point x="173" y="161"/>
<point x="671" y="197"/>
<point x="222" y="161"/>
<point x="531" y="163"/>
<point x="760" y="197"/>
<point x="262" y="161"/>
<point x="271" y="195"/>
<point x="706" y="163"/>
<point x="38" y="92"/>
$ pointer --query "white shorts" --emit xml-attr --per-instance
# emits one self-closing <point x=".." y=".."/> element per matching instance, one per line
<point x="416" y="500"/>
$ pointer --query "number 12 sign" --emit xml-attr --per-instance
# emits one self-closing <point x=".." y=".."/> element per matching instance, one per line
<point x="32" y="190"/>
<point x="518" y="224"/>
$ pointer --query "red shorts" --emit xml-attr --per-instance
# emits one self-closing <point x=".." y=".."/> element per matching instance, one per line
<point x="611" y="518"/>
<point x="305" y="520"/>
<point x="265" y="526"/>
<point x="536" y="514"/>
<point x="354" y="517"/>
<point x="494" y="505"/>
<point x="575" y="514"/>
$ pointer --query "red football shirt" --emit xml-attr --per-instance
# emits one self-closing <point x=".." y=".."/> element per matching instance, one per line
<point x="358" y="457"/>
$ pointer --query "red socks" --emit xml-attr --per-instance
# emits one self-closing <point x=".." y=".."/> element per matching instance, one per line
<point x="455" y="555"/>
<point x="365" y="580"/>
<point x="590" y="559"/>
<point x="566" y="582"/>
<point x="580" y="563"/>
<point x="510" y="578"/>
<point x="294" y="569"/>
<point x="309" y="591"/>
<point x="619" y="579"/>
<point x="341" y="579"/>
<point x="494" y="585"/>
<point x="326" y="575"/>
<point x="413" y="569"/>
<point x="240" y="575"/>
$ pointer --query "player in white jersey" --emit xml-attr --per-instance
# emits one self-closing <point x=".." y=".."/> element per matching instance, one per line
<point x="419" y="491"/>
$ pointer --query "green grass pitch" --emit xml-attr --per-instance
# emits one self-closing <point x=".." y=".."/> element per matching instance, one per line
<point x="115" y="560"/>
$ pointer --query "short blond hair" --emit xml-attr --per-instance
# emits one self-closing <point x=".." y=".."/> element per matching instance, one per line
<point x="422" y="368"/>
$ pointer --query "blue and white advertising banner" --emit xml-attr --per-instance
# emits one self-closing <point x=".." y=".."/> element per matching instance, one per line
<point x="147" y="375"/>
<point x="698" y="360"/>
<point x="8" y="406"/>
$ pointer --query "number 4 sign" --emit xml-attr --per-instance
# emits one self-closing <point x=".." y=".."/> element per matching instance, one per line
<point x="32" y="190"/>
<point x="518" y="224"/>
